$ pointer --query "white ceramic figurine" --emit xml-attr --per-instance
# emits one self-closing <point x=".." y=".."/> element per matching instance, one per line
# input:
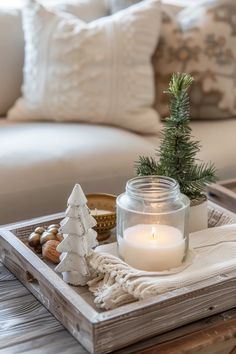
<point x="79" y="239"/>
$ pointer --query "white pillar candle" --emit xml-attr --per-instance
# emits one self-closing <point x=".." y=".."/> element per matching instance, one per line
<point x="152" y="247"/>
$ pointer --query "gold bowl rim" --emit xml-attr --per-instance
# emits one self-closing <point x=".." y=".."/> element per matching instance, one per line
<point x="104" y="195"/>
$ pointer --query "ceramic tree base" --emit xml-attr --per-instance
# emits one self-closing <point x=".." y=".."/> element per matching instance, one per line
<point x="75" y="278"/>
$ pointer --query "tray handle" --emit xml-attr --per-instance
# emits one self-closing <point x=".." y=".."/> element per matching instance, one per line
<point x="30" y="278"/>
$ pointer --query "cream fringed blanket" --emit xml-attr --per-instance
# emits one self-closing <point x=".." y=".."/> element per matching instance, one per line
<point x="213" y="253"/>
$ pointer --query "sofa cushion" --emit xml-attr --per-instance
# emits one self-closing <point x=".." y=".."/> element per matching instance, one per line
<point x="201" y="40"/>
<point x="12" y="41"/>
<point x="40" y="163"/>
<point x="99" y="72"/>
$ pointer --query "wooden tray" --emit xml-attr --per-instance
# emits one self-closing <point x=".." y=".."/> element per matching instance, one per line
<point x="105" y="331"/>
<point x="224" y="193"/>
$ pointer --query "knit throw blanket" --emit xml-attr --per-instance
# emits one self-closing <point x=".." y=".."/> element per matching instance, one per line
<point x="212" y="253"/>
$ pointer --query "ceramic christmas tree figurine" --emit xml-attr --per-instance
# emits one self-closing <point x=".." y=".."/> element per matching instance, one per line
<point x="79" y="239"/>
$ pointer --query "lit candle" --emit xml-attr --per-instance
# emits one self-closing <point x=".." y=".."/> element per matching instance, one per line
<point x="153" y="247"/>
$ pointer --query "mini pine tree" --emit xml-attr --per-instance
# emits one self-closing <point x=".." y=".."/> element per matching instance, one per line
<point x="78" y="241"/>
<point x="176" y="156"/>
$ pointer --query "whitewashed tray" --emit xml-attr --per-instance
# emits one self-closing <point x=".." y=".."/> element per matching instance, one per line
<point x="105" y="331"/>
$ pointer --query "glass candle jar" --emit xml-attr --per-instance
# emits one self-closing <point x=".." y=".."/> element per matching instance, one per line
<point x="152" y="224"/>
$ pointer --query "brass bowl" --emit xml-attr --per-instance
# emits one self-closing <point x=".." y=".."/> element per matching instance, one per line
<point x="105" y="221"/>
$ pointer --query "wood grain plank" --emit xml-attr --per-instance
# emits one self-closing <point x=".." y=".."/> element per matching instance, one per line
<point x="219" y="339"/>
<point x="5" y="274"/>
<point x="57" y="343"/>
<point x="183" y="333"/>
<point x="11" y="290"/>
<point x="24" y="318"/>
<point x="26" y="326"/>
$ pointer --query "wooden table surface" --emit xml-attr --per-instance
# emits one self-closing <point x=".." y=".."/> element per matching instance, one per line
<point x="27" y="327"/>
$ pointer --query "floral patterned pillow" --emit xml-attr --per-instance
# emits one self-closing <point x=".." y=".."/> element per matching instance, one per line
<point x="201" y="40"/>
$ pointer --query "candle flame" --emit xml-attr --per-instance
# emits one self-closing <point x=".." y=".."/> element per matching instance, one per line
<point x="154" y="235"/>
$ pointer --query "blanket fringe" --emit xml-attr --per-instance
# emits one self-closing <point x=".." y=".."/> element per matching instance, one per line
<point x="116" y="283"/>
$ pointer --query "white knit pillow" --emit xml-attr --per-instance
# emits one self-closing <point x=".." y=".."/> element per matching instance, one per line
<point x="86" y="10"/>
<point x="12" y="41"/>
<point x="98" y="72"/>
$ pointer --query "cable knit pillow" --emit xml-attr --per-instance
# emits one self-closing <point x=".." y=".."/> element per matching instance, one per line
<point x="86" y="10"/>
<point x="170" y="5"/>
<point x="99" y="72"/>
<point x="201" y="41"/>
<point x="12" y="41"/>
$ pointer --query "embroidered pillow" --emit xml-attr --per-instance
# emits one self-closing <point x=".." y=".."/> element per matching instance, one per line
<point x="200" y="41"/>
<point x="98" y="72"/>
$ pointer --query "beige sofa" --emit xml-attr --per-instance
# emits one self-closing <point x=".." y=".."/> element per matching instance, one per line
<point x="40" y="162"/>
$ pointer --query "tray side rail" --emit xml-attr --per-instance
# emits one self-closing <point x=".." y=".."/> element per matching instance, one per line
<point x="135" y="322"/>
<point x="57" y="296"/>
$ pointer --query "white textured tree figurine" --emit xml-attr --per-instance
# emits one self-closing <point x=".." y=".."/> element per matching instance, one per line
<point x="79" y="239"/>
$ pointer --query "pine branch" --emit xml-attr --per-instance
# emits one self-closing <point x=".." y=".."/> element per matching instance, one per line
<point x="199" y="177"/>
<point x="176" y="156"/>
<point x="146" y="166"/>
